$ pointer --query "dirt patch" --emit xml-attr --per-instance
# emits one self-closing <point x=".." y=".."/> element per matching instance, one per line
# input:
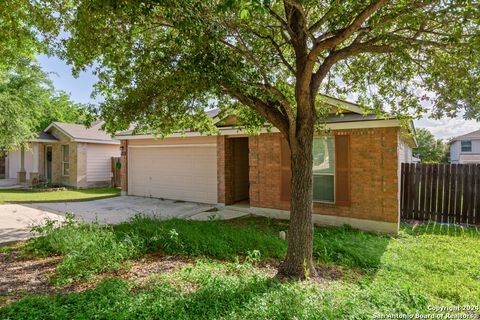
<point x="155" y="263"/>
<point x="21" y="275"/>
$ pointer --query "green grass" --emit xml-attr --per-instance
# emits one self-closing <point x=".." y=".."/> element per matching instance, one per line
<point x="24" y="196"/>
<point x="423" y="266"/>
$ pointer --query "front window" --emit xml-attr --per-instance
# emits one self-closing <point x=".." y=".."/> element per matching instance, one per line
<point x="323" y="169"/>
<point x="65" y="160"/>
<point x="466" y="146"/>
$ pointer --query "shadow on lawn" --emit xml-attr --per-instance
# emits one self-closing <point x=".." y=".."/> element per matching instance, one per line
<point x="115" y="298"/>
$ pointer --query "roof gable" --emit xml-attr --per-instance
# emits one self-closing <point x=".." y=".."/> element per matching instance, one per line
<point x="474" y="135"/>
<point x="81" y="133"/>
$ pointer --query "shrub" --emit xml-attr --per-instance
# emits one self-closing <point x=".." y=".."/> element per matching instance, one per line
<point x="86" y="249"/>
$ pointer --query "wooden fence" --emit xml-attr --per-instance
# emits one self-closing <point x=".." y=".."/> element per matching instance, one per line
<point x="116" y="172"/>
<point x="441" y="192"/>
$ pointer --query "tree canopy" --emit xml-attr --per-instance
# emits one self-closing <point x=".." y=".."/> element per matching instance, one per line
<point x="29" y="102"/>
<point x="162" y="63"/>
<point x="26" y="28"/>
<point x="198" y="52"/>
<point x="430" y="149"/>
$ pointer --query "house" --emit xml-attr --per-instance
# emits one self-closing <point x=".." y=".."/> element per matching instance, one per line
<point x="356" y="168"/>
<point x="465" y="148"/>
<point x="66" y="154"/>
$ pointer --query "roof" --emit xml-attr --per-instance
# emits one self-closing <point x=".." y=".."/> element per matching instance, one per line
<point x="82" y="133"/>
<point x="44" y="137"/>
<point x="474" y="135"/>
<point x="344" y="112"/>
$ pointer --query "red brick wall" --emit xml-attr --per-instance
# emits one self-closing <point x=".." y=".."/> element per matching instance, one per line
<point x="373" y="175"/>
<point x="225" y="170"/>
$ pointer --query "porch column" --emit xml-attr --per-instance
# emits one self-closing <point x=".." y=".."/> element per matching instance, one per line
<point x="35" y="158"/>
<point x="22" y="175"/>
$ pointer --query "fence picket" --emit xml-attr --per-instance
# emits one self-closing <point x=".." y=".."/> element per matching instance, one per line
<point x="441" y="192"/>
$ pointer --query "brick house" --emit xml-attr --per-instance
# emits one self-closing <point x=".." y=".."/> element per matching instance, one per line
<point x="65" y="154"/>
<point x="356" y="168"/>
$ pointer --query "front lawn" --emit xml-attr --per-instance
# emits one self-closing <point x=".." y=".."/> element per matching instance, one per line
<point x="177" y="269"/>
<point x="25" y="196"/>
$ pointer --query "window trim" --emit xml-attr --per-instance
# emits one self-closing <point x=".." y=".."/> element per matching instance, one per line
<point x="326" y="174"/>
<point x="461" y="145"/>
<point x="65" y="162"/>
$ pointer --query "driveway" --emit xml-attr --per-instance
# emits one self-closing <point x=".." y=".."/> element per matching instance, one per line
<point x="17" y="219"/>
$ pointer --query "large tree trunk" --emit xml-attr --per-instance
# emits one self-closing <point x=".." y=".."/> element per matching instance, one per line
<point x="299" y="261"/>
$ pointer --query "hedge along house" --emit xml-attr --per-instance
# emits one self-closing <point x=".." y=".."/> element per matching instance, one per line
<point x="66" y="154"/>
<point x="356" y="169"/>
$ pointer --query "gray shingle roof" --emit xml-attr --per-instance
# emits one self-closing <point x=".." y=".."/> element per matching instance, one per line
<point x="81" y="132"/>
<point x="469" y="136"/>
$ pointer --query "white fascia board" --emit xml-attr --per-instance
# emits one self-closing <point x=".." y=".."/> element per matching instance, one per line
<point x="364" y="124"/>
<point x="96" y="141"/>
<point x="343" y="104"/>
<point x="44" y="141"/>
<point x="189" y="145"/>
<point x="151" y="136"/>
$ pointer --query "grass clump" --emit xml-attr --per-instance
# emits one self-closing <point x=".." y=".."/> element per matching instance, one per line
<point x="215" y="238"/>
<point x="87" y="249"/>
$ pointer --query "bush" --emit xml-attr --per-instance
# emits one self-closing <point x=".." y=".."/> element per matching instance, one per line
<point x="86" y="249"/>
<point x="215" y="239"/>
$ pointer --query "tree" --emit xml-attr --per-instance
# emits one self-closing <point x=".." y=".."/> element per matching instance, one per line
<point x="430" y="150"/>
<point x="21" y="22"/>
<point x="162" y="63"/>
<point x="28" y="103"/>
<point x="28" y="100"/>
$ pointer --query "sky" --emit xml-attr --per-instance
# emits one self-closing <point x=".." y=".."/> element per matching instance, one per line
<point x="81" y="88"/>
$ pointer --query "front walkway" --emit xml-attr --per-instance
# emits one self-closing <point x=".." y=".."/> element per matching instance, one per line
<point x="9" y="184"/>
<point x="17" y="219"/>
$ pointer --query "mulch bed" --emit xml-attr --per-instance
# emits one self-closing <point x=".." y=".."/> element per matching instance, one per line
<point x="20" y="276"/>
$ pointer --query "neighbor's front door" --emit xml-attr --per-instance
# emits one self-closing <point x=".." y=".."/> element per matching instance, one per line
<point x="48" y="163"/>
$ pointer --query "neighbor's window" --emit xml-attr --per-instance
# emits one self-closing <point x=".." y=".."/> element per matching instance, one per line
<point x="323" y="169"/>
<point x="65" y="160"/>
<point x="466" y="146"/>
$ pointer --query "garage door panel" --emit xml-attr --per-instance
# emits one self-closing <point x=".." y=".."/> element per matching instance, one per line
<point x="183" y="173"/>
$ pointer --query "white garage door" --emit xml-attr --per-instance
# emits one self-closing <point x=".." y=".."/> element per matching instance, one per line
<point x="186" y="173"/>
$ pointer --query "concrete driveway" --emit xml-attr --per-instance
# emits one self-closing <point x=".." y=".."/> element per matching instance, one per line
<point x="17" y="219"/>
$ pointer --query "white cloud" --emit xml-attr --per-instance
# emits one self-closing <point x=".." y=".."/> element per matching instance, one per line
<point x="448" y="127"/>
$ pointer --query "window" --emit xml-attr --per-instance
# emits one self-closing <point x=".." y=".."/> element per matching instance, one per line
<point x="466" y="146"/>
<point x="65" y="160"/>
<point x="323" y="169"/>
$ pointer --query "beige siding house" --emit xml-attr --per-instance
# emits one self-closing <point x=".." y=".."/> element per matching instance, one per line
<point x="356" y="168"/>
<point x="66" y="154"/>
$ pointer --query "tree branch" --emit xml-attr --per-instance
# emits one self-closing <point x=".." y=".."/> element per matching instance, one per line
<point x="314" y="27"/>
<point x="343" y="34"/>
<point x="277" y="48"/>
<point x="336" y="56"/>
<point x="266" y="110"/>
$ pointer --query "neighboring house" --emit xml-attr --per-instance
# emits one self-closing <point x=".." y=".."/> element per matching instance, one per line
<point x="465" y="148"/>
<point x="356" y="168"/>
<point x="66" y="154"/>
